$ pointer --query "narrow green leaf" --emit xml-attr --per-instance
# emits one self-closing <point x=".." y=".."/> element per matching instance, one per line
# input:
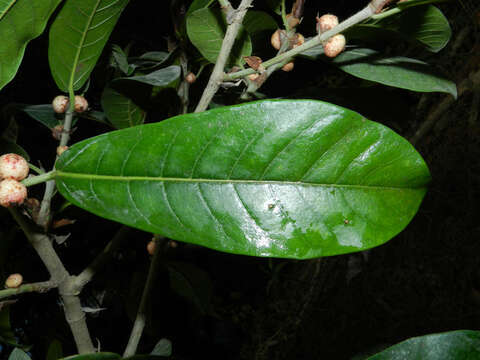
<point x="77" y="38"/>
<point x="453" y="345"/>
<point x="162" y="78"/>
<point x="120" y="59"/>
<point x="295" y="179"/>
<point x="425" y="25"/>
<point x="19" y="354"/>
<point x="191" y="283"/>
<point x="120" y="110"/>
<point x="96" y="356"/>
<point x="55" y="350"/>
<point x="43" y="113"/>
<point x="206" y="30"/>
<point x="397" y="71"/>
<point x="20" y="22"/>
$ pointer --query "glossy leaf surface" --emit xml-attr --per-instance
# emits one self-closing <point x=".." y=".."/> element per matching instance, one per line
<point x="162" y="78"/>
<point x="20" y="22"/>
<point x="296" y="179"/>
<point x="121" y="111"/>
<point x="206" y="30"/>
<point x="454" y="345"/>
<point x="397" y="71"/>
<point x="424" y="24"/>
<point x="77" y="38"/>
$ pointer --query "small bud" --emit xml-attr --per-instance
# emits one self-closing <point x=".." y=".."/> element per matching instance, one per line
<point x="253" y="61"/>
<point x="61" y="149"/>
<point x="253" y="77"/>
<point x="151" y="247"/>
<point x="81" y="104"/>
<point x="334" y="46"/>
<point x="190" y="78"/>
<point x="172" y="244"/>
<point x="57" y="132"/>
<point x="13" y="166"/>
<point x="288" y="66"/>
<point x="14" y="281"/>
<point x="12" y="192"/>
<point x="292" y="21"/>
<point x="277" y="38"/>
<point x="326" y="22"/>
<point x="298" y="40"/>
<point x="60" y="104"/>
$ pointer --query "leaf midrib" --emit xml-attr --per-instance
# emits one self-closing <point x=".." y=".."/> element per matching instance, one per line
<point x="63" y="174"/>
<point x="80" y="48"/>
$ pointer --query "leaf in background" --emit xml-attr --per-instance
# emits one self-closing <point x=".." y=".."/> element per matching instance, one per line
<point x="397" y="71"/>
<point x="165" y="77"/>
<point x="276" y="6"/>
<point x="120" y="59"/>
<point x="206" y="30"/>
<point x="162" y="348"/>
<point x="44" y="114"/>
<point x="97" y="116"/>
<point x="55" y="350"/>
<point x="295" y="179"/>
<point x="191" y="283"/>
<point x="425" y="25"/>
<point x="96" y="356"/>
<point x="120" y="110"/>
<point x="6" y="333"/>
<point x="19" y="354"/>
<point x="20" y="22"/>
<point x="7" y="146"/>
<point x="260" y="26"/>
<point x="77" y="38"/>
<point x="453" y="345"/>
<point x="199" y="4"/>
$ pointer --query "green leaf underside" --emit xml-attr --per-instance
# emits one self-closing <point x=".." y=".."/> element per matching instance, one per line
<point x="120" y="110"/>
<point x="397" y="71"/>
<point x="206" y="30"/>
<point x="454" y="345"/>
<point x="20" y="22"/>
<point x="77" y="38"/>
<point x="431" y="28"/>
<point x="163" y="78"/>
<point x="96" y="356"/>
<point x="294" y="179"/>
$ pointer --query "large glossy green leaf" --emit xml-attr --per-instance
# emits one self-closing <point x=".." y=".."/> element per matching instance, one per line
<point x="198" y="4"/>
<point x="454" y="345"/>
<point x="425" y="25"/>
<point x="121" y="110"/>
<point x="20" y="22"/>
<point x="77" y="38"/>
<point x="397" y="71"/>
<point x="206" y="30"/>
<point x="297" y="179"/>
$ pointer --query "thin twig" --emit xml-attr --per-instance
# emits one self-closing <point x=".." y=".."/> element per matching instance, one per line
<point x="227" y="44"/>
<point x="99" y="262"/>
<point x="59" y="275"/>
<point x="360" y="16"/>
<point x="39" y="287"/>
<point x="140" y="320"/>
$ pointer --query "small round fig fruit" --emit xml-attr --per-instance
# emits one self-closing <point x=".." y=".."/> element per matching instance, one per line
<point x="60" y="104"/>
<point x="288" y="66"/>
<point x="277" y="37"/>
<point x="298" y="40"/>
<point x="13" y="166"/>
<point x="81" y="104"/>
<point x="151" y="247"/>
<point x="326" y="22"/>
<point x="190" y="78"/>
<point x="334" y="46"/>
<point x="12" y="192"/>
<point x="61" y="149"/>
<point x="14" y="281"/>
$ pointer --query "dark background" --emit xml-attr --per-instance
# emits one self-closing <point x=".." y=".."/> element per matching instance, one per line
<point x="425" y="280"/>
